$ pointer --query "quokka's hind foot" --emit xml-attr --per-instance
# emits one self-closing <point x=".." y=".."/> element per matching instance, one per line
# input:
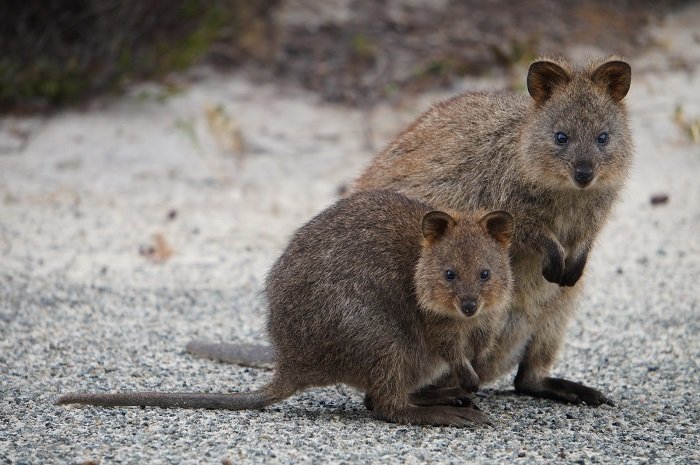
<point x="435" y="415"/>
<point x="563" y="390"/>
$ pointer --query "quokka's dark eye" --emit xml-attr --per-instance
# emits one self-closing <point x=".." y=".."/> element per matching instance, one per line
<point x="450" y="275"/>
<point x="485" y="275"/>
<point x="561" y="138"/>
<point x="603" y="138"/>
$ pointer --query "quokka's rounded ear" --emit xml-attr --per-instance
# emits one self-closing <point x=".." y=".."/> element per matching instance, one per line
<point x="436" y="224"/>
<point x="615" y="77"/>
<point x="499" y="225"/>
<point x="543" y="78"/>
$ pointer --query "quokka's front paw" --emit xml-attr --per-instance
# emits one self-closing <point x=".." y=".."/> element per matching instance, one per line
<point x="553" y="267"/>
<point x="469" y="382"/>
<point x="574" y="269"/>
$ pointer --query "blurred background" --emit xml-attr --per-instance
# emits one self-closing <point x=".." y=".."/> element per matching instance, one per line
<point x="350" y="51"/>
<point x="183" y="133"/>
<point x="187" y="129"/>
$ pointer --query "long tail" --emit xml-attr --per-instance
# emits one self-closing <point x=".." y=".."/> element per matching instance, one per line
<point x="252" y="355"/>
<point x="234" y="401"/>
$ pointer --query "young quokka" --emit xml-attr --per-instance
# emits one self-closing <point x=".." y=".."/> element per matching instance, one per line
<point x="557" y="161"/>
<point x="382" y="293"/>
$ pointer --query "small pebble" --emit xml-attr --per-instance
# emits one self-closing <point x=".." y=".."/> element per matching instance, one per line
<point x="659" y="199"/>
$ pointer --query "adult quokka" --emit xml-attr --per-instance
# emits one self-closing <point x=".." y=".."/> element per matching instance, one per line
<point x="557" y="161"/>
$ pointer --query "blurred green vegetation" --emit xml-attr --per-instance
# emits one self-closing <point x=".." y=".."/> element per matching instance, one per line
<point x="54" y="52"/>
<point x="57" y="51"/>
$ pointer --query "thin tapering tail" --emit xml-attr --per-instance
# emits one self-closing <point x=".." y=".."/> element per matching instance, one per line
<point x="252" y="355"/>
<point x="233" y="401"/>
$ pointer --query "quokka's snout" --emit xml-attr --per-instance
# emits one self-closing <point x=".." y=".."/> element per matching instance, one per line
<point x="469" y="306"/>
<point x="583" y="174"/>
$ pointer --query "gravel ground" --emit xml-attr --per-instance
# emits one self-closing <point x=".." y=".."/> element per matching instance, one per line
<point x="91" y="300"/>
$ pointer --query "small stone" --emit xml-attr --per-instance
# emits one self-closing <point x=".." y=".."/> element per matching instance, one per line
<point x="659" y="199"/>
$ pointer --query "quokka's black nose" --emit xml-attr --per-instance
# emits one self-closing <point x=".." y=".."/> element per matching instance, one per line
<point x="469" y="307"/>
<point x="583" y="174"/>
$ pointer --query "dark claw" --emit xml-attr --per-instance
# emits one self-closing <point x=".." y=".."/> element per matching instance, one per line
<point x="464" y="402"/>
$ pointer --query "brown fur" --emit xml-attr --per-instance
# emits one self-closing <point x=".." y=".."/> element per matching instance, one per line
<point x="497" y="151"/>
<point x="360" y="297"/>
